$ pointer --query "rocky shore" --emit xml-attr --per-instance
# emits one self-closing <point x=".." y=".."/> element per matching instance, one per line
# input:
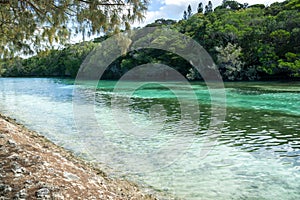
<point x="32" y="167"/>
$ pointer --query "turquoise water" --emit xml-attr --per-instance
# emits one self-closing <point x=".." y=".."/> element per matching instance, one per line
<point x="255" y="156"/>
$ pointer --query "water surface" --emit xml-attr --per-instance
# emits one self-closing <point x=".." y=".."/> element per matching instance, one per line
<point x="257" y="154"/>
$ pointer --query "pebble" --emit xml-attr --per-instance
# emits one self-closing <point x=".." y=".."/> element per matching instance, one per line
<point x="43" y="193"/>
<point x="28" y="182"/>
<point x="21" y="195"/>
<point x="70" y="176"/>
<point x="58" y="196"/>
<point x="17" y="169"/>
<point x="14" y="156"/>
<point x="26" y="161"/>
<point x="12" y="143"/>
<point x="4" y="189"/>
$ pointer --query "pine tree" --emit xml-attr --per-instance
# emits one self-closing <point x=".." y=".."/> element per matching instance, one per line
<point x="185" y="15"/>
<point x="224" y="2"/>
<point x="28" y="24"/>
<point x="189" y="11"/>
<point x="200" y="8"/>
<point x="208" y="8"/>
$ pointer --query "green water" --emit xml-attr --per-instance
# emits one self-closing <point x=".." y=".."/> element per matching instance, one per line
<point x="255" y="156"/>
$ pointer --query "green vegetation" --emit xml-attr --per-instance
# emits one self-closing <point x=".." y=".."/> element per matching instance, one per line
<point x="36" y="24"/>
<point x="246" y="42"/>
<point x="59" y="63"/>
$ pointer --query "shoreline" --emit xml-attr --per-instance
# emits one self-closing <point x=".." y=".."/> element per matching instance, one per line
<point x="33" y="167"/>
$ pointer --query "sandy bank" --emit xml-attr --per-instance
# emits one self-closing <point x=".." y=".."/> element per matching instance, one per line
<point x="31" y="167"/>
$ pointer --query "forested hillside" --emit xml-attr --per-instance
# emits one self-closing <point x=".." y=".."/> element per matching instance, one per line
<point x="246" y="42"/>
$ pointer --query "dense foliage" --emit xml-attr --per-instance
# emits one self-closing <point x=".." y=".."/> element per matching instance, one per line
<point x="246" y="42"/>
<point x="48" y="63"/>
<point x="27" y="25"/>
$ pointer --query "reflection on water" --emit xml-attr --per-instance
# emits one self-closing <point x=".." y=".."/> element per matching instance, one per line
<point x="257" y="155"/>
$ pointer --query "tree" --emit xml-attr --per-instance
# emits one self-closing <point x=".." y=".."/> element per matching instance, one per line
<point x="268" y="59"/>
<point x="189" y="11"/>
<point x="291" y="63"/>
<point x="65" y="62"/>
<point x="233" y="5"/>
<point x="185" y="15"/>
<point x="245" y="5"/>
<point x="229" y="61"/>
<point x="162" y="22"/>
<point x="261" y="6"/>
<point x="200" y="8"/>
<point x="293" y="4"/>
<point x="33" y="24"/>
<point x="208" y="8"/>
<point x="266" y="44"/>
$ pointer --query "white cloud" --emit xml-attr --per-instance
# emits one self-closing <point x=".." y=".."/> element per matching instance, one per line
<point x="175" y="2"/>
<point x="151" y="16"/>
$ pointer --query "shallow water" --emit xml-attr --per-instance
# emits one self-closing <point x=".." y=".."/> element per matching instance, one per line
<point x="256" y="156"/>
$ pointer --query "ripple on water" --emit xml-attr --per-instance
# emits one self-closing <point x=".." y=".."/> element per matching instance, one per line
<point x="257" y="154"/>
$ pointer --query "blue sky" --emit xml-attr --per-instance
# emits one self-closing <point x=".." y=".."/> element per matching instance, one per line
<point x="173" y="9"/>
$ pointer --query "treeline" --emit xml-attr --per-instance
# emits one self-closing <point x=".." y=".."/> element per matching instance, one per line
<point x="246" y="42"/>
<point x="50" y="63"/>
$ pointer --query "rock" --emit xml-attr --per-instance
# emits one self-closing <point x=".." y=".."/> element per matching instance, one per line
<point x="17" y="169"/>
<point x="14" y="156"/>
<point x="26" y="162"/>
<point x="43" y="193"/>
<point x="3" y="151"/>
<point x="29" y="182"/>
<point x="11" y="143"/>
<point x="36" y="157"/>
<point x="58" y="196"/>
<point x="4" y="189"/>
<point x="22" y="194"/>
<point x="70" y="176"/>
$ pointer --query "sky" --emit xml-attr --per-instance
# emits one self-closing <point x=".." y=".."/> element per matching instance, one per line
<point x="173" y="9"/>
